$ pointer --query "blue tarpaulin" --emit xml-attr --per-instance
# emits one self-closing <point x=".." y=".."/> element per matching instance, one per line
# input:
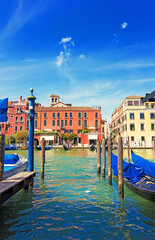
<point x="3" y="109"/>
<point x="149" y="167"/>
<point x="11" y="158"/>
<point x="130" y="171"/>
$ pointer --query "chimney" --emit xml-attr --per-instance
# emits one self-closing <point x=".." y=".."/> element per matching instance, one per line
<point x="20" y="98"/>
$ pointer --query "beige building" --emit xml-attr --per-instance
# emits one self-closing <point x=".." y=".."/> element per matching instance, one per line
<point x="134" y="120"/>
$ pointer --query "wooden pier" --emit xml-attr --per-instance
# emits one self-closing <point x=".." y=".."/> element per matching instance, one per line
<point x="12" y="185"/>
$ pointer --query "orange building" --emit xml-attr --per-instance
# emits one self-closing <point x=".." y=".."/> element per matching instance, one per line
<point x="59" y="117"/>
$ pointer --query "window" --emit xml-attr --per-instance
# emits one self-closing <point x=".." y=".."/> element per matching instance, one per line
<point x="66" y="123"/>
<point x="136" y="103"/>
<point x="71" y="115"/>
<point x="62" y="123"/>
<point x="132" y="138"/>
<point x="53" y="115"/>
<point x="125" y="127"/>
<point x="66" y="131"/>
<point x="152" y="126"/>
<point x="58" y="131"/>
<point x="21" y="128"/>
<point x="52" y="100"/>
<point x="132" y="127"/>
<point x="130" y="103"/>
<point x="79" y="115"/>
<point x="11" y="116"/>
<point x="16" y="119"/>
<point x="28" y="124"/>
<point x="6" y="128"/>
<point x="45" y="123"/>
<point x="96" y="123"/>
<point x="53" y="123"/>
<point x="56" y="100"/>
<point x="16" y="128"/>
<point x="152" y="115"/>
<point x="36" y="115"/>
<point x="58" y="123"/>
<point x="66" y="115"/>
<point x="45" y="115"/>
<point x="131" y="115"/>
<point x="79" y="131"/>
<point x="85" y="123"/>
<point x="142" y="126"/>
<point x="21" y="119"/>
<point x="79" y="123"/>
<point x="96" y="115"/>
<point x="142" y="138"/>
<point x="70" y="122"/>
<point x="141" y="115"/>
<point x="70" y="131"/>
<point x="153" y="138"/>
<point x="58" y="115"/>
<point x="85" y="115"/>
<point x="36" y="123"/>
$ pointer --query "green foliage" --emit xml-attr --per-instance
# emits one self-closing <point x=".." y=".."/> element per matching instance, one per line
<point x="47" y="133"/>
<point x="85" y="130"/>
<point x="20" y="136"/>
<point x="70" y="136"/>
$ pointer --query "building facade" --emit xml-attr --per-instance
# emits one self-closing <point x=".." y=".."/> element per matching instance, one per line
<point x="58" y="117"/>
<point x="135" y="121"/>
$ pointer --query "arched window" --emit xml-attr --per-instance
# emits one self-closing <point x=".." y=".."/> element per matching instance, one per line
<point x="16" y="128"/>
<point x="56" y="100"/>
<point x="85" y="123"/>
<point x="52" y="100"/>
<point x="96" y="123"/>
<point x="36" y="123"/>
<point x="21" y="128"/>
<point x="58" y="123"/>
<point x="53" y="123"/>
<point x="79" y="123"/>
<point x="16" y="119"/>
<point x="21" y="119"/>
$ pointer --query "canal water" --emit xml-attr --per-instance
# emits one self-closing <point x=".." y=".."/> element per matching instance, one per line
<point x="73" y="202"/>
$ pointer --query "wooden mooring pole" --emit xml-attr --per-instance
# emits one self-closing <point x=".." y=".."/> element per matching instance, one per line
<point x="128" y="150"/>
<point x="43" y="158"/>
<point x="98" y="157"/>
<point x="2" y="153"/>
<point x="104" y="157"/>
<point x="109" y="163"/>
<point x="120" y="168"/>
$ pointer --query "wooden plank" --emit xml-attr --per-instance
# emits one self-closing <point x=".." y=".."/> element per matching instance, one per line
<point x="12" y="185"/>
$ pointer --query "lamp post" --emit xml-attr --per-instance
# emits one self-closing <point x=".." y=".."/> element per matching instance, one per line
<point x="31" y="131"/>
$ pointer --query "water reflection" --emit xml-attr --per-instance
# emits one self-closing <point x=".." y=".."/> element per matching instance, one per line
<point x="73" y="202"/>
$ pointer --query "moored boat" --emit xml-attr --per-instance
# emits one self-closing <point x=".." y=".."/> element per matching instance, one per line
<point x="67" y="146"/>
<point x="14" y="164"/>
<point x="136" y="179"/>
<point x="46" y="147"/>
<point x="92" y="147"/>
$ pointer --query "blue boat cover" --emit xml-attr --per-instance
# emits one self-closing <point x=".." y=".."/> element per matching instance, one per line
<point x="3" y="109"/>
<point x="11" y="158"/>
<point x="130" y="171"/>
<point x="149" y="167"/>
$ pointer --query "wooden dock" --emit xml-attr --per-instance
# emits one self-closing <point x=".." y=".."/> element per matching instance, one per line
<point x="12" y="185"/>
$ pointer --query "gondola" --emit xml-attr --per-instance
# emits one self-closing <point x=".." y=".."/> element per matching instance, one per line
<point x="92" y="147"/>
<point x="67" y="146"/>
<point x="46" y="147"/>
<point x="14" y="164"/>
<point x="136" y="179"/>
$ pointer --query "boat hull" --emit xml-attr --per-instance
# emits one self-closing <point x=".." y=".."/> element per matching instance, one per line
<point x="15" y="168"/>
<point x="150" y="195"/>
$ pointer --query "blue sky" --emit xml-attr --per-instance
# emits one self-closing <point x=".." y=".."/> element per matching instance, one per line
<point x="90" y="52"/>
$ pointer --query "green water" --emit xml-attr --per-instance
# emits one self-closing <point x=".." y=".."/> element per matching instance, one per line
<point x="73" y="202"/>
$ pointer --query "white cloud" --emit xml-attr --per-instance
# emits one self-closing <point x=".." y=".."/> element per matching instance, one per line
<point x="124" y="25"/>
<point x="67" y="43"/>
<point x="82" y="56"/>
<point x="24" y="12"/>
